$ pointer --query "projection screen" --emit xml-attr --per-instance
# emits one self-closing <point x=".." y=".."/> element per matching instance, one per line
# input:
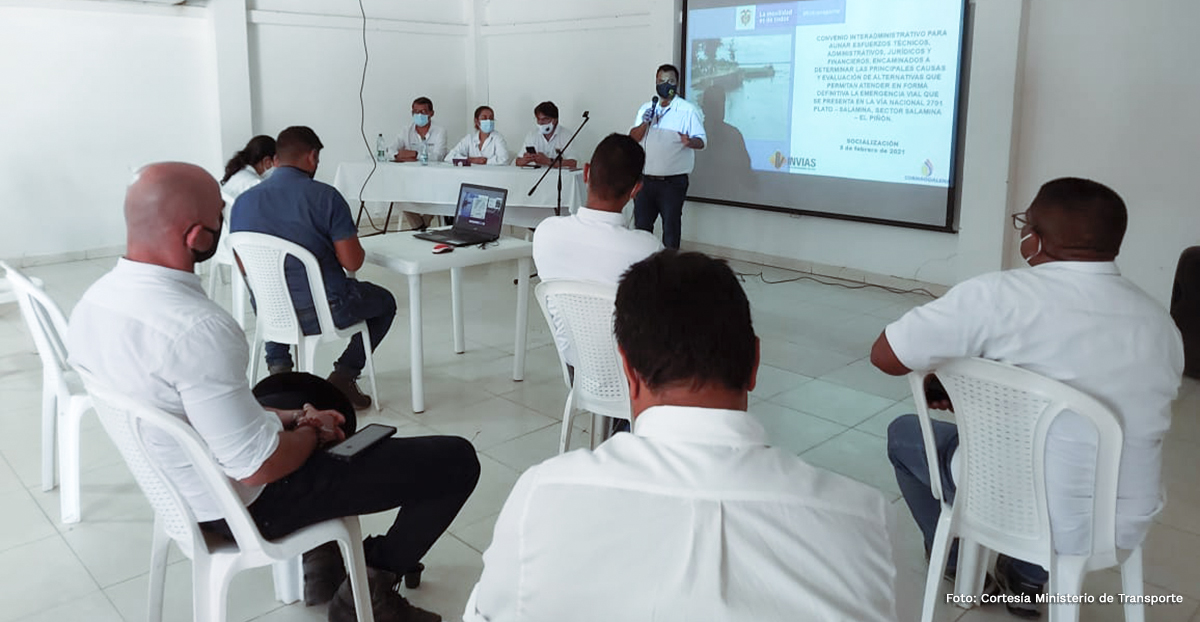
<point x="840" y="108"/>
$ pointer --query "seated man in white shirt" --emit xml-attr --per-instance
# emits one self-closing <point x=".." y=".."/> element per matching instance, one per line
<point x="1072" y="317"/>
<point x="548" y="140"/>
<point x="423" y="141"/>
<point x="421" y="137"/>
<point x="146" y="329"/>
<point x="483" y="145"/>
<point x="594" y="244"/>
<point x="692" y="516"/>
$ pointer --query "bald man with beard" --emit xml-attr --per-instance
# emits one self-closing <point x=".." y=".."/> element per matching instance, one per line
<point x="147" y="330"/>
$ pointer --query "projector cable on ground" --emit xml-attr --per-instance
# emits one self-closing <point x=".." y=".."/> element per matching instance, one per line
<point x="845" y="284"/>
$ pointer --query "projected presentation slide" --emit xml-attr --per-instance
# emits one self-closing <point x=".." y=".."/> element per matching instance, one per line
<point x="856" y="96"/>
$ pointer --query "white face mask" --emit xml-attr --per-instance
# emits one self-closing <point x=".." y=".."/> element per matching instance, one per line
<point x="546" y="129"/>
<point x="1039" y="250"/>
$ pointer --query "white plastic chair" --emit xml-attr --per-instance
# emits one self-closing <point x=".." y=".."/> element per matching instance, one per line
<point x="222" y="261"/>
<point x="64" y="400"/>
<point x="263" y="258"/>
<point x="214" y="560"/>
<point x="1003" y="414"/>
<point x="585" y="312"/>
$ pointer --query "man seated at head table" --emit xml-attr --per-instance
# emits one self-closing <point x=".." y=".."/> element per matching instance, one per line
<point x="422" y="135"/>
<point x="483" y="145"/>
<point x="1072" y="317"/>
<point x="147" y="330"/>
<point x="693" y="516"/>
<point x="544" y="144"/>
<point x="594" y="244"/>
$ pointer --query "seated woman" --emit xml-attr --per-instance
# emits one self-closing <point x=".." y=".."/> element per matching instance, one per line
<point x="484" y="145"/>
<point x="246" y="168"/>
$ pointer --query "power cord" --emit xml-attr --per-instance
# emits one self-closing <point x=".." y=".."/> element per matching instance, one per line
<point x="362" y="121"/>
<point x="845" y="284"/>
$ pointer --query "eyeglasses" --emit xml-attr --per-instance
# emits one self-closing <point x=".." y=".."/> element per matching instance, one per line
<point x="1020" y="220"/>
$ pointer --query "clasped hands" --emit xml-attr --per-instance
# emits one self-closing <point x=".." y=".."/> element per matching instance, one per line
<point x="327" y="423"/>
<point x="536" y="158"/>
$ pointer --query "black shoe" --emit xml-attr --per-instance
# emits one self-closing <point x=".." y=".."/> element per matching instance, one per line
<point x="324" y="571"/>
<point x="1011" y="584"/>
<point x="386" y="603"/>
<point x="990" y="586"/>
<point x="348" y="385"/>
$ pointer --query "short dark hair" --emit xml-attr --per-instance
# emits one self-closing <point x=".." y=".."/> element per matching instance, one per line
<point x="616" y="167"/>
<point x="479" y="111"/>
<point x="423" y="101"/>
<point x="547" y="109"/>
<point x="1080" y="215"/>
<point x="682" y="318"/>
<point x="296" y="141"/>
<point x="668" y="67"/>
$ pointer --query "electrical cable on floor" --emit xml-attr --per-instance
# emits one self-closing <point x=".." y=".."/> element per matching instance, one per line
<point x="846" y="284"/>
<point x="362" y="121"/>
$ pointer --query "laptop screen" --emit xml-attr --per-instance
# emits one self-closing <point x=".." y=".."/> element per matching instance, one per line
<point x="480" y="208"/>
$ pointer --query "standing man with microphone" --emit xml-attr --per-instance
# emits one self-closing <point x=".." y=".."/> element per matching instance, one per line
<point x="669" y="128"/>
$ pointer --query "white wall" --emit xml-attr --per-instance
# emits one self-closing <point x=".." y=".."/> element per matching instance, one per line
<point x="307" y="70"/>
<point x="91" y="93"/>
<point x="1111" y="93"/>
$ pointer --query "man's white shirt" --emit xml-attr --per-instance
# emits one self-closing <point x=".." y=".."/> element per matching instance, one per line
<point x="665" y="151"/>
<point x="1085" y="325"/>
<point x="548" y="146"/>
<point x="590" y="245"/>
<point x="410" y="139"/>
<point x="149" y="332"/>
<point x="494" y="148"/>
<point x="690" y="517"/>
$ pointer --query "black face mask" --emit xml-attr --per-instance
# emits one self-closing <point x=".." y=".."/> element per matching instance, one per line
<point x="666" y="90"/>
<point x="203" y="256"/>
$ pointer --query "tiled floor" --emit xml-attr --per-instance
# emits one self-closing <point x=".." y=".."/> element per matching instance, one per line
<point x="817" y="395"/>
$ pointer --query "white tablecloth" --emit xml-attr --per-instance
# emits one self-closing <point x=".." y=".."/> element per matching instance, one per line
<point x="433" y="188"/>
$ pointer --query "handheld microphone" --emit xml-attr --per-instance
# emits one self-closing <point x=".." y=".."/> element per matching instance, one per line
<point x="653" y="109"/>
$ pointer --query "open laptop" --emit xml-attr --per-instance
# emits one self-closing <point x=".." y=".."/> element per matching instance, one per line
<point x="479" y="217"/>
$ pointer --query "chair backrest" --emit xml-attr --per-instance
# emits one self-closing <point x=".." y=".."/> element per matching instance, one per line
<point x="46" y="323"/>
<point x="263" y="257"/>
<point x="585" y="311"/>
<point x="224" y="254"/>
<point x="127" y="421"/>
<point x="1004" y="413"/>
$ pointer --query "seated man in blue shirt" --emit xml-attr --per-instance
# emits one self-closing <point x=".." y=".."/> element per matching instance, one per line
<point x="293" y="206"/>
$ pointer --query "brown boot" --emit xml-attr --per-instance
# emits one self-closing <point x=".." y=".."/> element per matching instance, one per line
<point x="386" y="603"/>
<point x="324" y="571"/>
<point x="348" y="385"/>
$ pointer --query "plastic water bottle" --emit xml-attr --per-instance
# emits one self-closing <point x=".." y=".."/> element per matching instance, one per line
<point x="423" y="153"/>
<point x="380" y="149"/>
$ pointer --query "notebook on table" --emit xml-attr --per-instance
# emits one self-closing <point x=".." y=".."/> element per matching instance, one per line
<point x="478" y="219"/>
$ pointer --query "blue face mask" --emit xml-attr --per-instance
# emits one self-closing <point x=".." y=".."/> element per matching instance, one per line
<point x="487" y="125"/>
<point x="421" y="119"/>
